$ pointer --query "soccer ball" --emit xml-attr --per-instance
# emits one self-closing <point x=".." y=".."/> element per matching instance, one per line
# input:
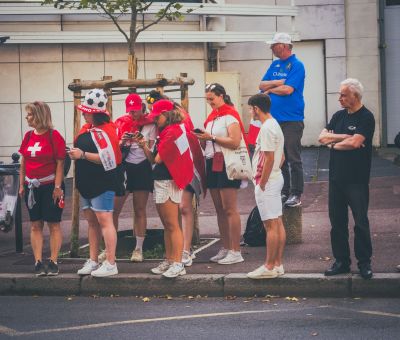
<point x="96" y="99"/>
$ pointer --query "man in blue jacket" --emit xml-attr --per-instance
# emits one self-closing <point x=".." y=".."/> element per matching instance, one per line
<point x="284" y="83"/>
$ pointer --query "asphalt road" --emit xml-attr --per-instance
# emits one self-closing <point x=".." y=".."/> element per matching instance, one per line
<point x="197" y="318"/>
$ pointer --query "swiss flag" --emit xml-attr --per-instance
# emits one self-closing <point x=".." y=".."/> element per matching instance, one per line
<point x="254" y="129"/>
<point x="175" y="152"/>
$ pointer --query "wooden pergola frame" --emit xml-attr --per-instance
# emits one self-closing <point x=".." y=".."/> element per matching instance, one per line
<point x="129" y="86"/>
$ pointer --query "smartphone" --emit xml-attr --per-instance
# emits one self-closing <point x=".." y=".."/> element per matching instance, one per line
<point x="67" y="149"/>
<point x="138" y="135"/>
<point x="129" y="134"/>
<point x="197" y="130"/>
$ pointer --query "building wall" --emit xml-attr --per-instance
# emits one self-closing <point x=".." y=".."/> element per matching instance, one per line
<point x="43" y="72"/>
<point x="349" y="30"/>
<point x="31" y="72"/>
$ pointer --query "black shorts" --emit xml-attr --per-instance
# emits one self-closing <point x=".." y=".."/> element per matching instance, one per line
<point x="139" y="176"/>
<point x="44" y="208"/>
<point x="190" y="189"/>
<point x="120" y="178"/>
<point x="219" y="180"/>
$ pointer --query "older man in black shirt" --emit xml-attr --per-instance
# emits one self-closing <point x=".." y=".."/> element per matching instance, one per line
<point x="349" y="136"/>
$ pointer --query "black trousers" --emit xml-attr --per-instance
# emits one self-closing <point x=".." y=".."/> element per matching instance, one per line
<point x="355" y="196"/>
<point x="292" y="168"/>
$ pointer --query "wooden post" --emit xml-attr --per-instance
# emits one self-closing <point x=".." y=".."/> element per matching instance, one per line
<point x="293" y="222"/>
<point x="74" y="247"/>
<point x="185" y="105"/>
<point x="132" y="66"/>
<point x="160" y="89"/>
<point x="108" y="92"/>
<point x="184" y="94"/>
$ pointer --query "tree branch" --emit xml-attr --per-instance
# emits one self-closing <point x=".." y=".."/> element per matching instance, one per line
<point x="114" y="20"/>
<point x="145" y="27"/>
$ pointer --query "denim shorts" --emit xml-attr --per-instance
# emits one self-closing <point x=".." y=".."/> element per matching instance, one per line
<point x="103" y="202"/>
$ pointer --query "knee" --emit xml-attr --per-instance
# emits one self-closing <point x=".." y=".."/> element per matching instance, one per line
<point x="186" y="210"/>
<point x="140" y="213"/>
<point x="54" y="227"/>
<point x="37" y="227"/>
<point x="230" y="212"/>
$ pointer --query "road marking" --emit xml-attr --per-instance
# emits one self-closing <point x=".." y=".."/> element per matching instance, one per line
<point x="12" y="332"/>
<point x="373" y="312"/>
<point x="213" y="240"/>
<point x="7" y="331"/>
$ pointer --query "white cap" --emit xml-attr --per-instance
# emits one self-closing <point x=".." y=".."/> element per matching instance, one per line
<point x="280" y="38"/>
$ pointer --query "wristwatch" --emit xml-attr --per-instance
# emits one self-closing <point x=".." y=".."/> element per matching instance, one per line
<point x="214" y="138"/>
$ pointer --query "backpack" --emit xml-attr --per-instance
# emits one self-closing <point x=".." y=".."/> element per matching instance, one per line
<point x="397" y="140"/>
<point x="67" y="159"/>
<point x="254" y="235"/>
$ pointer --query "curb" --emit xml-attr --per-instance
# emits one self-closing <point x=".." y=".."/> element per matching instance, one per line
<point x="216" y="285"/>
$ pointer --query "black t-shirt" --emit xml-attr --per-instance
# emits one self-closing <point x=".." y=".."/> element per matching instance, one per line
<point x="352" y="166"/>
<point x="160" y="171"/>
<point x="91" y="179"/>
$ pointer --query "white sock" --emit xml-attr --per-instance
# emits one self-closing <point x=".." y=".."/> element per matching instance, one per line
<point x="178" y="263"/>
<point x="139" y="243"/>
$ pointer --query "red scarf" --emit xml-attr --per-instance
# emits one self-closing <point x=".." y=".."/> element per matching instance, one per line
<point x="223" y="111"/>
<point x="110" y="130"/>
<point x="126" y="123"/>
<point x="174" y="150"/>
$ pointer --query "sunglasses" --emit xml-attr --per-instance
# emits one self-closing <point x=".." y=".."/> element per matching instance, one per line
<point x="210" y="87"/>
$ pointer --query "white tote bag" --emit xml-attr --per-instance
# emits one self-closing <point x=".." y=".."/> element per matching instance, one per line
<point x="237" y="162"/>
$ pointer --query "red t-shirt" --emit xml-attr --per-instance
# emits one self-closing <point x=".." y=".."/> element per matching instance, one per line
<point x="40" y="153"/>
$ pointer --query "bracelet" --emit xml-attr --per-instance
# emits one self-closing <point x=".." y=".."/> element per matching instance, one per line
<point x="214" y="139"/>
<point x="83" y="155"/>
<point x="57" y="187"/>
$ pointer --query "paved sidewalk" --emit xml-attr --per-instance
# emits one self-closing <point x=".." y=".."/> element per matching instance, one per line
<point x="304" y="262"/>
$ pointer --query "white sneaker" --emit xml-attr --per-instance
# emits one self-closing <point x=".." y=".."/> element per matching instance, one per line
<point x="161" y="268"/>
<point x="137" y="256"/>
<point x="232" y="257"/>
<point x="220" y="255"/>
<point x="106" y="269"/>
<point x="102" y="256"/>
<point x="88" y="267"/>
<point x="174" y="270"/>
<point x="262" y="273"/>
<point x="279" y="270"/>
<point x="186" y="259"/>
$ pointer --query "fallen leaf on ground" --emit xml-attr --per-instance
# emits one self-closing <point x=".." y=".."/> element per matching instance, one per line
<point x="146" y="299"/>
<point x="295" y="299"/>
<point x="314" y="334"/>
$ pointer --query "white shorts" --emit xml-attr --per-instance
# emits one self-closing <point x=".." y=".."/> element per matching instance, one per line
<point x="269" y="201"/>
<point x="166" y="189"/>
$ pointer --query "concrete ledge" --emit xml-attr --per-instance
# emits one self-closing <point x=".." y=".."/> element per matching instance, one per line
<point x="147" y="284"/>
<point x="300" y="285"/>
<point x="310" y="285"/>
<point x="28" y="284"/>
<point x="381" y="285"/>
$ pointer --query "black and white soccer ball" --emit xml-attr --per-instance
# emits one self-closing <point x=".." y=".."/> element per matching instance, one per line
<point x="96" y="99"/>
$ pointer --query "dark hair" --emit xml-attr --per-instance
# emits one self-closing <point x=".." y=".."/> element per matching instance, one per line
<point x="154" y="96"/>
<point x="100" y="118"/>
<point x="219" y="90"/>
<point x="261" y="100"/>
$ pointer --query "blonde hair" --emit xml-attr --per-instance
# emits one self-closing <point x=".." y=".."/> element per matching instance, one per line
<point x="173" y="117"/>
<point x="41" y="115"/>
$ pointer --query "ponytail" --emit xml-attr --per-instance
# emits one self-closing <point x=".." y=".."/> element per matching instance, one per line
<point x="227" y="100"/>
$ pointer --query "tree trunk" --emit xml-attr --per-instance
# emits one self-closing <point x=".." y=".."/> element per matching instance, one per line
<point x="132" y="66"/>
